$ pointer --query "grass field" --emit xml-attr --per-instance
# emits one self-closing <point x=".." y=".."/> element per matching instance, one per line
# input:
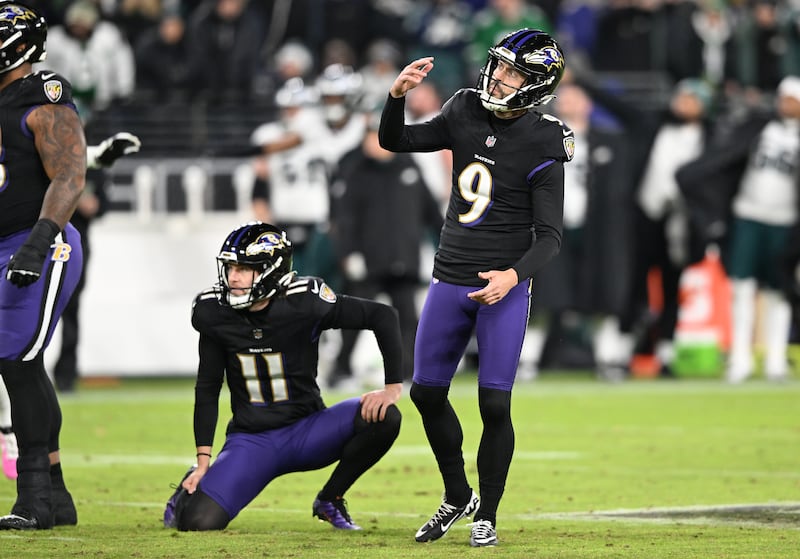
<point x="642" y="469"/>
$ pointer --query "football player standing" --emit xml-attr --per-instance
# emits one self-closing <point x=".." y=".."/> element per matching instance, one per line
<point x="44" y="173"/>
<point x="503" y="223"/>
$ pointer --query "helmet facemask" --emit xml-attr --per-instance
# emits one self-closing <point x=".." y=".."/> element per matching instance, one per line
<point x="261" y="288"/>
<point x="533" y="92"/>
<point x="265" y="250"/>
<point x="535" y="56"/>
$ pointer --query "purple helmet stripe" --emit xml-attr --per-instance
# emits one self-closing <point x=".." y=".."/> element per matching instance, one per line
<point x="515" y="41"/>
<point x="238" y="237"/>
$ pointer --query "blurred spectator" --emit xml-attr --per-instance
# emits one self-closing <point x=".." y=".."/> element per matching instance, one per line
<point x="383" y="210"/>
<point x="94" y="56"/>
<point x="224" y="38"/>
<point x="162" y="58"/>
<point x="92" y="204"/>
<point x="386" y="20"/>
<point x="631" y="37"/>
<point x="292" y="60"/>
<point x="766" y="47"/>
<point x="661" y="142"/>
<point x="440" y="28"/>
<point x="338" y="51"/>
<point x="134" y="17"/>
<point x="499" y="18"/>
<point x="703" y="29"/>
<point x="291" y="188"/>
<point x="759" y="166"/>
<point x="340" y="93"/>
<point x="381" y="67"/>
<point x="422" y="104"/>
<point x="587" y="285"/>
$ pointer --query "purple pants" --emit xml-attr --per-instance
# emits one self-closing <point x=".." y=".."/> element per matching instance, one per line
<point x="249" y="461"/>
<point x="28" y="315"/>
<point x="447" y="322"/>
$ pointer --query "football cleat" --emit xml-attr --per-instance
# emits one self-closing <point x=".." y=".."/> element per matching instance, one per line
<point x="17" y="522"/>
<point x="170" y="519"/>
<point x="10" y="453"/>
<point x="334" y="512"/>
<point x="445" y="517"/>
<point x="483" y="534"/>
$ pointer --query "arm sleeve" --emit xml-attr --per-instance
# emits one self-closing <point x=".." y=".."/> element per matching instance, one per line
<point x="548" y="217"/>
<point x="395" y="135"/>
<point x="365" y="314"/>
<point x="210" y="373"/>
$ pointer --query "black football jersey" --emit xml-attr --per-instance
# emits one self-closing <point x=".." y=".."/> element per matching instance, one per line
<point x="270" y="357"/>
<point x="508" y="184"/>
<point x="24" y="181"/>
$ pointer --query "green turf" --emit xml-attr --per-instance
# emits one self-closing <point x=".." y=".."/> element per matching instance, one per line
<point x="642" y="469"/>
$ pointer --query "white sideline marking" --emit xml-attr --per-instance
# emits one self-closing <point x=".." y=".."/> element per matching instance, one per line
<point x="84" y="460"/>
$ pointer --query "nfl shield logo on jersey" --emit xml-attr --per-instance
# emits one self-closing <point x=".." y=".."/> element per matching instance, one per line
<point x="569" y="146"/>
<point x="490" y="141"/>
<point x="53" y="90"/>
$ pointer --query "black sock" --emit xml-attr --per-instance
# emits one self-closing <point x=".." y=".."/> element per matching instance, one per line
<point x="368" y="445"/>
<point x="56" y="476"/>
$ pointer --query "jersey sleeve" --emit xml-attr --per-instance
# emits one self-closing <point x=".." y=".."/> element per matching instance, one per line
<point x="203" y="308"/>
<point x="210" y="369"/>
<point x="46" y="88"/>
<point x="557" y="148"/>
<point x="395" y="135"/>
<point x="559" y="140"/>
<point x="355" y="313"/>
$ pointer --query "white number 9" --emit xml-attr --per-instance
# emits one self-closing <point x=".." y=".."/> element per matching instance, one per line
<point x="475" y="186"/>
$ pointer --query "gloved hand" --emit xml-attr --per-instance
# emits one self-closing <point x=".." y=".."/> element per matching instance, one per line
<point x="26" y="264"/>
<point x="111" y="149"/>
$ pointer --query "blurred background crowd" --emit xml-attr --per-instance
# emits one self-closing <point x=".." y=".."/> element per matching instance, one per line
<point x="680" y="205"/>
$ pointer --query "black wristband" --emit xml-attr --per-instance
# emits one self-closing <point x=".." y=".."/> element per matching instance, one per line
<point x="43" y="234"/>
<point x="203" y="454"/>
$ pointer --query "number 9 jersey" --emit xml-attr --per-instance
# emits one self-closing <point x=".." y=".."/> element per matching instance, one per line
<point x="508" y="184"/>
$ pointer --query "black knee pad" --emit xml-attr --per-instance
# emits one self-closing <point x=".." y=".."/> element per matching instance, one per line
<point x="428" y="397"/>
<point x="199" y="512"/>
